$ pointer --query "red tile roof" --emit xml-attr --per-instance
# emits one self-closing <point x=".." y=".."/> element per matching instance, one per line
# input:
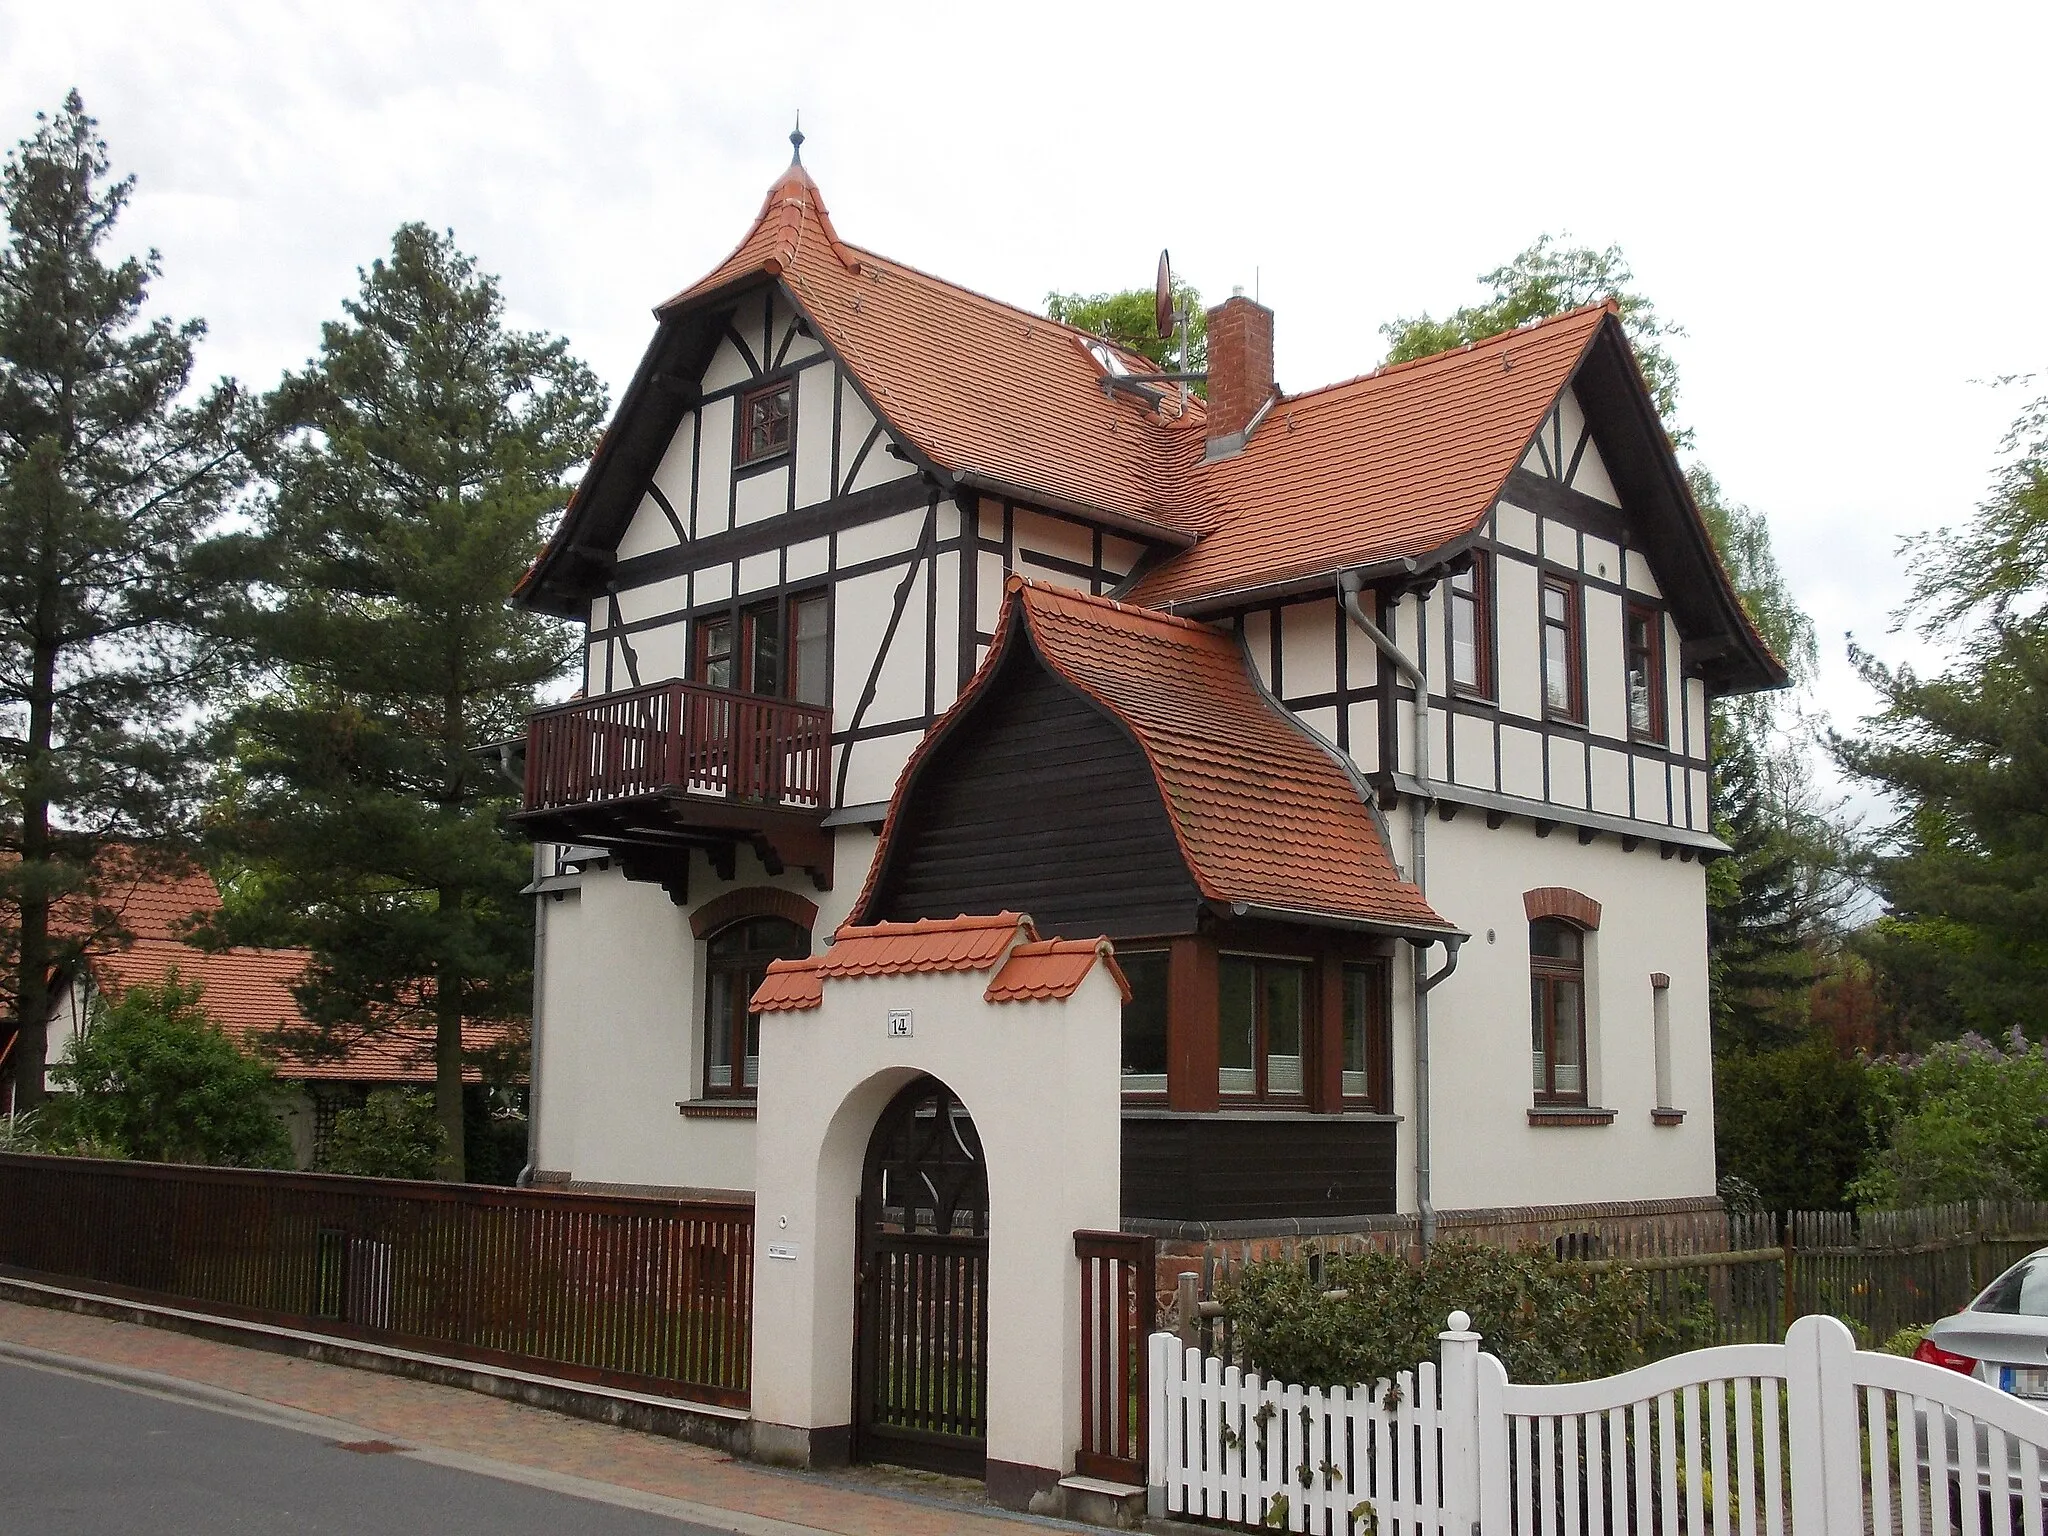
<point x="791" y="986"/>
<point x="1397" y="463"/>
<point x="1030" y="968"/>
<point x="1264" y="814"/>
<point x="984" y="389"/>
<point x="1052" y="968"/>
<point x="929" y="944"/>
<point x="248" y="992"/>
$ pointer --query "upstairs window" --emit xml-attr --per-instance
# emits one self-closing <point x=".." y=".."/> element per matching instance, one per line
<point x="765" y="421"/>
<point x="1472" y="629"/>
<point x="1262" y="1020"/>
<point x="1563" y="690"/>
<point x="778" y="650"/>
<point x="1145" y="1021"/>
<point x="1557" y="1012"/>
<point x="1645" y="672"/>
<point x="736" y="961"/>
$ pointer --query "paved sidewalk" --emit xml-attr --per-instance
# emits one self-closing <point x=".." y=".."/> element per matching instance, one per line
<point x="490" y="1430"/>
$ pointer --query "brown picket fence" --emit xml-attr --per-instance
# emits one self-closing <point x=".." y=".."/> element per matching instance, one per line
<point x="647" y="1294"/>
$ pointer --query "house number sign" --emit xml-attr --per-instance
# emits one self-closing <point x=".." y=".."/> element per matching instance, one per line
<point x="900" y="1024"/>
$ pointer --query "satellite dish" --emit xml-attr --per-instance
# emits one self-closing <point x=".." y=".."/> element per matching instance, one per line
<point x="1162" y="298"/>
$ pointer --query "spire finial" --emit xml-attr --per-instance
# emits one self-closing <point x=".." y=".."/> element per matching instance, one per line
<point x="796" y="141"/>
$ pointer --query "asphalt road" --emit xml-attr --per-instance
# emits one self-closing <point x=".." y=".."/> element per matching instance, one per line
<point x="87" y="1458"/>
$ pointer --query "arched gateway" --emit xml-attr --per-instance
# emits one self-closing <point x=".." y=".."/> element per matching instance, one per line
<point x="922" y="1330"/>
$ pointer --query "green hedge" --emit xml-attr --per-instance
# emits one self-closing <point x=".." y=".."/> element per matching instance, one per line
<point x="1370" y="1315"/>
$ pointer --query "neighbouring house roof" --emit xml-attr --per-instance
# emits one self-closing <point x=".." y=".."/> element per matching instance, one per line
<point x="1026" y="967"/>
<point x="1400" y="464"/>
<point x="1265" y="816"/>
<point x="248" y="992"/>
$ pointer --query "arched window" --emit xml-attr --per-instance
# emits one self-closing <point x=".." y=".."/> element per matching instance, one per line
<point x="1557" y="1011"/>
<point x="736" y="958"/>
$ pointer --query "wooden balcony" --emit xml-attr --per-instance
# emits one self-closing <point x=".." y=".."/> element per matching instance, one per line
<point x="656" y="771"/>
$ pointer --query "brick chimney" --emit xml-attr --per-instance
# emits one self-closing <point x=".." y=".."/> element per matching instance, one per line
<point x="1240" y="370"/>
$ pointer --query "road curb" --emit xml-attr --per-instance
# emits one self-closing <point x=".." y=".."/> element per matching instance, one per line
<point x="722" y="1429"/>
<point x="340" y="1431"/>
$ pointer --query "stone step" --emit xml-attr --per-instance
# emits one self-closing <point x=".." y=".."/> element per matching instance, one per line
<point x="1098" y="1501"/>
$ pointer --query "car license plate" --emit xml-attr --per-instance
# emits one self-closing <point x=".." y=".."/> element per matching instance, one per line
<point x="2023" y="1381"/>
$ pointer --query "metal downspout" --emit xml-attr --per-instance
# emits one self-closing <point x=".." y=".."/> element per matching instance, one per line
<point x="541" y="902"/>
<point x="1418" y="826"/>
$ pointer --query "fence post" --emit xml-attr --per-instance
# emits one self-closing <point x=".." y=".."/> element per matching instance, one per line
<point x="1458" y="1357"/>
<point x="1824" y="1436"/>
<point x="1490" y="1440"/>
<point x="1790" y="1297"/>
<point x="1186" y="1305"/>
<point x="1167" y="1353"/>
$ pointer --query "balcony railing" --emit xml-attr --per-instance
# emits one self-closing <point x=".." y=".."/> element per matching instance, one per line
<point x="679" y="738"/>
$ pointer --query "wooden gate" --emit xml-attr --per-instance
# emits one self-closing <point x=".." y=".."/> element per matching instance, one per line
<point x="921" y="1389"/>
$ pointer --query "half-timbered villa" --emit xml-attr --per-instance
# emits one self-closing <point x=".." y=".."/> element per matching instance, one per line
<point x="1369" y="724"/>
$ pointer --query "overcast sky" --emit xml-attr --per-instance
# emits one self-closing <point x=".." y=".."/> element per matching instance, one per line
<point x="1842" y="205"/>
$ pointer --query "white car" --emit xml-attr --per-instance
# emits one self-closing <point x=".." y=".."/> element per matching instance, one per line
<point x="2001" y="1338"/>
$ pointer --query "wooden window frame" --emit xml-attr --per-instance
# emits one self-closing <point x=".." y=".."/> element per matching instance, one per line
<point x="1545" y="975"/>
<point x="742" y="623"/>
<point x="1159" y="1095"/>
<point x="702" y="628"/>
<point x="1262" y="1094"/>
<point x="1574" y="628"/>
<point x="748" y="966"/>
<point x="1379" y="1056"/>
<point x="1481" y="598"/>
<point x="1658" y="730"/>
<point x="743" y="454"/>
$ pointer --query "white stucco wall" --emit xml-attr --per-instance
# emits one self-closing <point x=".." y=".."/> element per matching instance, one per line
<point x="622" y="1032"/>
<point x="1041" y="1082"/>
<point x="1653" y="919"/>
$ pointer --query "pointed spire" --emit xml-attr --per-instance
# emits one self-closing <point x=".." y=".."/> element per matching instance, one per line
<point x="796" y="141"/>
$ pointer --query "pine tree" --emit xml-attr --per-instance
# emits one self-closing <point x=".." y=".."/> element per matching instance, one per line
<point x="109" y="475"/>
<point x="367" y="816"/>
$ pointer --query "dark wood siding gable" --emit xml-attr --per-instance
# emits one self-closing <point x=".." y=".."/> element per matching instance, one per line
<point x="1038" y="802"/>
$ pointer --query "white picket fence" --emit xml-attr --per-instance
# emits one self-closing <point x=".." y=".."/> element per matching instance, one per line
<point x="1733" y="1441"/>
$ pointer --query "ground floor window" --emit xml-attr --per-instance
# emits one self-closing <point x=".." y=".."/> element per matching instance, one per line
<point x="736" y="960"/>
<point x="1557" y="1012"/>
<point x="1364" y="1046"/>
<point x="1262" y="1017"/>
<point x="1145" y="1020"/>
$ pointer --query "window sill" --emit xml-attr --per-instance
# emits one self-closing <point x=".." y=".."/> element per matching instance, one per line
<point x="1246" y="1112"/>
<point x="716" y="1109"/>
<point x="1666" y="1116"/>
<point x="779" y="457"/>
<point x="1567" y="1114"/>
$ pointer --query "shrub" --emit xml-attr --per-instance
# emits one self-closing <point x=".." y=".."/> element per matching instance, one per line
<point x="394" y="1134"/>
<point x="1791" y="1124"/>
<point x="1963" y="1122"/>
<point x="154" y="1078"/>
<point x="1371" y="1315"/>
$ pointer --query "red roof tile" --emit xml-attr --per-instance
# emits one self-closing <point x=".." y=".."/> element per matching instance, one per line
<point x="929" y="944"/>
<point x="1263" y="813"/>
<point x="1030" y="968"/>
<point x="1052" y="968"/>
<point x="791" y="986"/>
<point x="1397" y="463"/>
<point x="983" y="388"/>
